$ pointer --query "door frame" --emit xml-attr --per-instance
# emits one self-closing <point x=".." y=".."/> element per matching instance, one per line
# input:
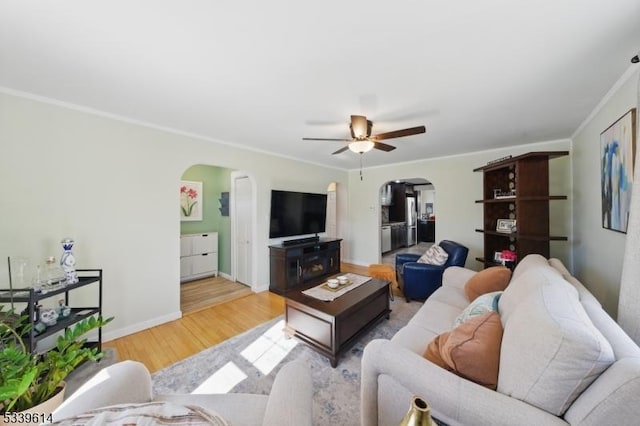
<point x="235" y="175"/>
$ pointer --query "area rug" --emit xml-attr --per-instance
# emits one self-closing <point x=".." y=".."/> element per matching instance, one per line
<point x="336" y="391"/>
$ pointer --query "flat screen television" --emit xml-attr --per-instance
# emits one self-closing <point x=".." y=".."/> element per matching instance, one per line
<point x="297" y="213"/>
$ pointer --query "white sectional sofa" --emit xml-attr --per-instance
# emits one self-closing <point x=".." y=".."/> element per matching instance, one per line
<point x="563" y="360"/>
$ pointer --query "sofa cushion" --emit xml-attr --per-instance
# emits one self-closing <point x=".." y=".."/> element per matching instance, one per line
<point x="495" y="278"/>
<point x="483" y="304"/>
<point x="450" y="296"/>
<point x="551" y="351"/>
<point x="435" y="255"/>
<point x="528" y="282"/>
<point x="435" y="316"/>
<point x="530" y="261"/>
<point x="414" y="338"/>
<point x="583" y="293"/>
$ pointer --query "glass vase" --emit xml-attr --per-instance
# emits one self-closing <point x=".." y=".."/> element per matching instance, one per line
<point x="19" y="272"/>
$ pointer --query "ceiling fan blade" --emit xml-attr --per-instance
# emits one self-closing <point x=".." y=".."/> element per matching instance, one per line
<point x="326" y="139"/>
<point x="383" y="146"/>
<point x="399" y="133"/>
<point x="343" y="149"/>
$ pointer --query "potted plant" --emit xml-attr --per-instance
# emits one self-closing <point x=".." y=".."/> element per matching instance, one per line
<point x="29" y="379"/>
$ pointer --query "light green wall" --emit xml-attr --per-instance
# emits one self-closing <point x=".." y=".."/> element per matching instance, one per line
<point x="215" y="180"/>
<point x="598" y="255"/>
<point x="111" y="185"/>
<point x="119" y="203"/>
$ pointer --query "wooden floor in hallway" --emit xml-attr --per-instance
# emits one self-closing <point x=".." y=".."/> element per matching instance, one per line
<point x="200" y="294"/>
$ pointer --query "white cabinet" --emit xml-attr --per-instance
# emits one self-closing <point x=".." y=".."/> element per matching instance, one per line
<point x="198" y="256"/>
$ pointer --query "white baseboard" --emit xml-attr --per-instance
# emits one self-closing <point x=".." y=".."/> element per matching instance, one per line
<point x="355" y="262"/>
<point x="260" y="288"/>
<point x="134" y="328"/>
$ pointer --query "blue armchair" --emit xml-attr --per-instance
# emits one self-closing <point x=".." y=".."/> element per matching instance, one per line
<point x="419" y="280"/>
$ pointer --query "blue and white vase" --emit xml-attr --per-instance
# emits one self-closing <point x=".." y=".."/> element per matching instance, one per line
<point x="68" y="261"/>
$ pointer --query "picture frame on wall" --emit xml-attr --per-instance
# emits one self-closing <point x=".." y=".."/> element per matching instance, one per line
<point x="617" y="155"/>
<point x="428" y="208"/>
<point x="190" y="201"/>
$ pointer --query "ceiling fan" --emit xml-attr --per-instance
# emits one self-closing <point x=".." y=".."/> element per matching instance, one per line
<point x="361" y="139"/>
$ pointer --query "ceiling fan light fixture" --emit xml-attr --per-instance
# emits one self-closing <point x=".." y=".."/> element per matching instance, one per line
<point x="362" y="141"/>
<point x="360" y="127"/>
<point x="360" y="147"/>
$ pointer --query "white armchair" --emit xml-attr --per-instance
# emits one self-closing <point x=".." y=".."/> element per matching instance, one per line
<point x="289" y="403"/>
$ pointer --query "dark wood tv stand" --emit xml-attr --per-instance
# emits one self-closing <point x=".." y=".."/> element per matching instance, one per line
<point x="295" y="265"/>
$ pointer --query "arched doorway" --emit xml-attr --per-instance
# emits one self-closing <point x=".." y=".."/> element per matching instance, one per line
<point x="206" y="274"/>
<point x="407" y="217"/>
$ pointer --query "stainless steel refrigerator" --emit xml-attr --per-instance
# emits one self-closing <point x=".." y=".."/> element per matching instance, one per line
<point x="412" y="221"/>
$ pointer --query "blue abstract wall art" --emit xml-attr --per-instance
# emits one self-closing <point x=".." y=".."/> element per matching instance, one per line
<point x="617" y="149"/>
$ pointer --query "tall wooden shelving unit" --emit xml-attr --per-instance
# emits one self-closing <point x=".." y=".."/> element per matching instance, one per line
<point x="528" y="175"/>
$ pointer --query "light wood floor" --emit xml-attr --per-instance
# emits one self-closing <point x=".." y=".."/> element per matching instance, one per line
<point x="168" y="343"/>
<point x="199" y="294"/>
<point x="165" y="344"/>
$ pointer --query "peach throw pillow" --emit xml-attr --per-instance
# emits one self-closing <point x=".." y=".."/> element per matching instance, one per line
<point x="495" y="278"/>
<point x="471" y="350"/>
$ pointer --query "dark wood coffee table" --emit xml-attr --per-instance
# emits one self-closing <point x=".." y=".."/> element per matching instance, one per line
<point x="331" y="327"/>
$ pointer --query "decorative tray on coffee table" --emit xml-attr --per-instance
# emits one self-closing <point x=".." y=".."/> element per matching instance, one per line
<point x="325" y="286"/>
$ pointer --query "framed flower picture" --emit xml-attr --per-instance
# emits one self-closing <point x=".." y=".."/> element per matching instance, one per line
<point x="190" y="200"/>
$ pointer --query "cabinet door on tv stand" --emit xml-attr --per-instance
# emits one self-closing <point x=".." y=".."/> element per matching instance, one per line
<point x="285" y="271"/>
<point x="293" y="271"/>
<point x="334" y="260"/>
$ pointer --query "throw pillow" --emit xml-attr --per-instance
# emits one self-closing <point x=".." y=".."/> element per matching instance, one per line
<point x="483" y="304"/>
<point x="495" y="278"/>
<point x="471" y="350"/>
<point x="432" y="353"/>
<point x="435" y="255"/>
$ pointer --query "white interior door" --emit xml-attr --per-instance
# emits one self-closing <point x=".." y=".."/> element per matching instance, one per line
<point x="332" y="220"/>
<point x="243" y="230"/>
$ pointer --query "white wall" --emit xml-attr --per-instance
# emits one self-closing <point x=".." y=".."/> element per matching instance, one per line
<point x="112" y="185"/>
<point x="598" y="252"/>
<point x="457" y="188"/>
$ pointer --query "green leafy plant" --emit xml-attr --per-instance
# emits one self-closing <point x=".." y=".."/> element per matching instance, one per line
<point x="28" y="379"/>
